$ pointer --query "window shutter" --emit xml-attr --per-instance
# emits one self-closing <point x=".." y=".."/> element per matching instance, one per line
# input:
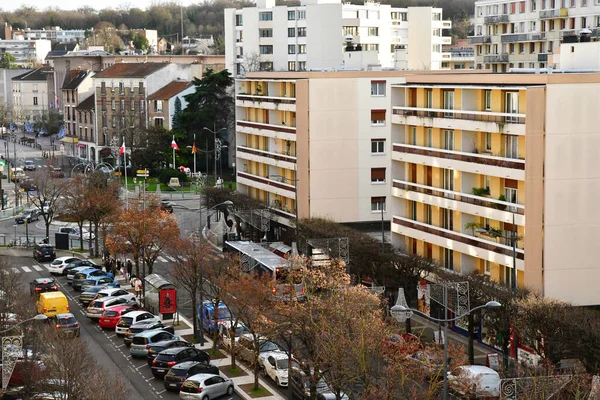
<point x="377" y="115"/>
<point x="377" y="174"/>
<point x="511" y="183"/>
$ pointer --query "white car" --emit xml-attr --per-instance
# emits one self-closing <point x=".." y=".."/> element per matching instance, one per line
<point x="111" y="292"/>
<point x="74" y="232"/>
<point x="97" y="307"/>
<point x="475" y="380"/>
<point x="132" y="318"/>
<point x="58" y="265"/>
<point x="275" y="364"/>
<point x="225" y="333"/>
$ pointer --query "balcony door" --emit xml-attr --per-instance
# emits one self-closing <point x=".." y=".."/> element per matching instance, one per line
<point x="448" y="219"/>
<point x="511" y="146"/>
<point x="448" y="177"/>
<point x="448" y="103"/>
<point x="512" y="106"/>
<point x="449" y="140"/>
<point x="449" y="259"/>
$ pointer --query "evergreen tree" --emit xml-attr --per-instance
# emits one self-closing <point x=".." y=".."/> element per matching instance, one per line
<point x="176" y="121"/>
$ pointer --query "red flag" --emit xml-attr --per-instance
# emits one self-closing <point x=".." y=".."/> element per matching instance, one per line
<point x="194" y="148"/>
<point x="174" y="145"/>
<point x="122" y="149"/>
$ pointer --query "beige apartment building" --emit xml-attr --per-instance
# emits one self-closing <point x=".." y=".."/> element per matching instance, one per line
<point x="476" y="157"/>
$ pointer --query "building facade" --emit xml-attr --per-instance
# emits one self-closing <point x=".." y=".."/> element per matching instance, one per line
<point x="86" y="128"/>
<point x="460" y="55"/>
<point x="313" y="36"/>
<point x="527" y="34"/>
<point x="6" y="85"/>
<point x="161" y="104"/>
<point x="27" y="53"/>
<point x="55" y="34"/>
<point x="32" y="93"/>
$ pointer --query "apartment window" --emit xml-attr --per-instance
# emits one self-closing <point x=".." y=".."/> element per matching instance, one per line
<point x="448" y="102"/>
<point x="291" y="15"/>
<point x="291" y="32"/>
<point x="132" y="105"/>
<point x="377" y="146"/>
<point x="112" y="87"/>
<point x="583" y="3"/>
<point x="413" y="135"/>
<point x="113" y="104"/>
<point x="301" y="14"/>
<point x="436" y="48"/>
<point x="429" y="137"/>
<point x="301" y="32"/>
<point x="291" y="49"/>
<point x="449" y="259"/>
<point x="512" y="106"/>
<point x="35" y="101"/>
<point x="239" y="20"/>
<point x="291" y="65"/>
<point x="487" y="267"/>
<point x="265" y="32"/>
<point x="373" y="31"/>
<point x="532" y="5"/>
<point x="511" y="146"/>
<point x="301" y="49"/>
<point x="114" y="121"/>
<point x="142" y="108"/>
<point x="81" y="131"/>
<point x="122" y="122"/>
<point x="377" y="175"/>
<point x="487" y="100"/>
<point x="488" y="141"/>
<point x="584" y="22"/>
<point x="551" y="24"/>
<point x="414" y="211"/>
<point x="531" y="48"/>
<point x="572" y="5"/>
<point x="265" y="66"/>
<point x="428" y="98"/>
<point x="377" y="117"/>
<point x="121" y="88"/>
<point x="103" y="87"/>
<point x="377" y="88"/>
<point x="301" y="65"/>
<point x="265" y="16"/>
<point x="350" y="30"/>
<point x="447" y="219"/>
<point x="511" y="195"/>
<point x="378" y="204"/>
<point x="122" y="105"/>
<point x="448" y="140"/>
<point x="428" y="215"/>
<point x="448" y="181"/>
<point x="103" y="104"/>
<point x="158" y="122"/>
<point x="158" y="106"/>
<point x="104" y="121"/>
<point x="436" y="16"/>
<point x="265" y="49"/>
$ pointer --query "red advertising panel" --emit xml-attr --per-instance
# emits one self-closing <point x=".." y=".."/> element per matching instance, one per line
<point x="168" y="301"/>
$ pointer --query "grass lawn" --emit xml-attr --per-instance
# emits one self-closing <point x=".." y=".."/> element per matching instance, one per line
<point x="232" y="372"/>
<point x="216" y="354"/>
<point x="248" y="388"/>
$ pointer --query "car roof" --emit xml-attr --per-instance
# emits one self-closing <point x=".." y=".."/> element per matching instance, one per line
<point x="202" y="377"/>
<point x="174" y="350"/>
<point x="119" y="307"/>
<point x="186" y="364"/>
<point x="135" y="314"/>
<point x="88" y="269"/>
<point x="278" y="355"/>
<point x="66" y="258"/>
<point x="105" y="299"/>
<point x="167" y="342"/>
<point x="44" y="280"/>
<point x="94" y="289"/>
<point x="44" y="245"/>
<point x="110" y="290"/>
<point x="53" y="295"/>
<point x="150" y="332"/>
<point x="478" y="369"/>
<point x="64" y="315"/>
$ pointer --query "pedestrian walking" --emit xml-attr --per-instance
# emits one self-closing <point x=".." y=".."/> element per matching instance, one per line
<point x="129" y="269"/>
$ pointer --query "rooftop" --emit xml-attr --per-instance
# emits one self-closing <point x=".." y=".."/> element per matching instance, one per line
<point x="131" y="70"/>
<point x="170" y="90"/>
<point x="38" y="74"/>
<point x="74" y="78"/>
<point x="87" y="104"/>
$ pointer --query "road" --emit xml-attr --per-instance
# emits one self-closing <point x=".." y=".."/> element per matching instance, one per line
<point x="105" y="346"/>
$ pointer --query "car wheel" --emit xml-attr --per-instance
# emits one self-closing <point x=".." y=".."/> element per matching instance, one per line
<point x="230" y="390"/>
<point x="277" y="382"/>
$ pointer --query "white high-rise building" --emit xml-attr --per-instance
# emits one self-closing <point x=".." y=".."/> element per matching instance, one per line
<point x="527" y="34"/>
<point x="326" y="34"/>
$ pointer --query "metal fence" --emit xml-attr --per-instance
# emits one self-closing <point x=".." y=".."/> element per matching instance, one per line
<point x="29" y="241"/>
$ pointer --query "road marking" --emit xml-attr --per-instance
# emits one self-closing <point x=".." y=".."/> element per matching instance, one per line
<point x="15" y="270"/>
<point x="143" y="365"/>
<point x="121" y="345"/>
<point x="161" y="392"/>
<point x="26" y="269"/>
<point x="162" y="259"/>
<point x="149" y="379"/>
<point x="110" y="337"/>
<point x="37" y="268"/>
<point x="47" y="266"/>
<point x="171" y="258"/>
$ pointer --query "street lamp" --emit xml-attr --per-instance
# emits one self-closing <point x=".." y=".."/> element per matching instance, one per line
<point x="39" y="317"/>
<point x="399" y="311"/>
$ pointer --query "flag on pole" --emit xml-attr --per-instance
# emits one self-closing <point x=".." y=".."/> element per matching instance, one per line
<point x="194" y="148"/>
<point x="122" y="149"/>
<point x="174" y="145"/>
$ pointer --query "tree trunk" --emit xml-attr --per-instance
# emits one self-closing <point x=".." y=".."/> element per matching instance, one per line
<point x="150" y="265"/>
<point x="96" y="237"/>
<point x="256" y="369"/>
<point x="215" y="328"/>
<point x="47" y="223"/>
<point x="470" y="349"/>
<point x="137" y="266"/>
<point x="195" y="315"/>
<point x="232" y="336"/>
<point x="80" y="225"/>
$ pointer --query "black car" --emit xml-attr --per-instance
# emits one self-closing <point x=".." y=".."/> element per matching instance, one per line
<point x="166" y="206"/>
<point x="41" y="285"/>
<point x="145" y="326"/>
<point x="180" y="372"/>
<point x="80" y="263"/>
<point x="166" y="359"/>
<point x="66" y="323"/>
<point x="28" y="216"/>
<point x="166" y="344"/>
<point x="43" y="251"/>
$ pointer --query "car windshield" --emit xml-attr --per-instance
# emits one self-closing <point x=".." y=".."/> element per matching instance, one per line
<point x="125" y="320"/>
<point x="165" y="357"/>
<point x="79" y="275"/>
<point x="179" y="371"/>
<point x="98" y="304"/>
<point x="89" y="282"/>
<point x="137" y="329"/>
<point x="57" y="262"/>
<point x="111" y="313"/>
<point x="157" y="349"/>
<point x="67" y="320"/>
<point x="139" y="340"/>
<point x="282" y="363"/>
<point x="268" y="346"/>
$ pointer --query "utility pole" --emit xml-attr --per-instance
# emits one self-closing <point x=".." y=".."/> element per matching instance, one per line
<point x="182" y="27"/>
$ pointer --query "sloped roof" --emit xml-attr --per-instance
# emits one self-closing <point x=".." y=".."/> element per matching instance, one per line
<point x="166" y="92"/>
<point x="38" y="74"/>
<point x="74" y="78"/>
<point x="87" y="104"/>
<point x="131" y="70"/>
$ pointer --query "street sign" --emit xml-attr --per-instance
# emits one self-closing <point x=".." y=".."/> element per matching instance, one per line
<point x="142" y="173"/>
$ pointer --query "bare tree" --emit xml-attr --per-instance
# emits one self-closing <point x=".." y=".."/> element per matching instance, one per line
<point x="46" y="197"/>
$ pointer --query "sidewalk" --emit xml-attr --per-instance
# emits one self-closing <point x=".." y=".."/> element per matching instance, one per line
<point x="241" y="380"/>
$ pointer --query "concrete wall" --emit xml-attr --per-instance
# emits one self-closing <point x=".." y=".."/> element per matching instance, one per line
<point x="323" y="21"/>
<point x="6" y="75"/>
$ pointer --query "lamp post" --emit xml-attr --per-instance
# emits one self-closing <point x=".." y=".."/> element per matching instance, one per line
<point x="38" y="317"/>
<point x="398" y="311"/>
<point x="214" y="132"/>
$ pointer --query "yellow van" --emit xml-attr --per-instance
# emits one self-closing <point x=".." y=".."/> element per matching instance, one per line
<point x="52" y="303"/>
<point x="18" y="172"/>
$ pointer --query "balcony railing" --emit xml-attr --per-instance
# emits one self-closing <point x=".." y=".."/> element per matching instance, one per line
<point x="260" y="125"/>
<point x="461" y="156"/>
<point x="556" y="13"/>
<point x="482" y="116"/>
<point x="459" y="196"/>
<point x="266" y="181"/>
<point x="480" y="39"/>
<point x="496" y="58"/>
<point x="522" y="37"/>
<point x="460" y="237"/>
<point x="270" y="154"/>
<point x="496" y="19"/>
<point x="270" y="99"/>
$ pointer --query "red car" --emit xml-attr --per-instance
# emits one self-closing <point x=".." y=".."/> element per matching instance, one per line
<point x="111" y="316"/>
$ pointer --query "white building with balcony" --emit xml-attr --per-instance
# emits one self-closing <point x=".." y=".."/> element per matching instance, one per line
<point x="55" y="34"/>
<point x="28" y="53"/>
<point x="314" y="36"/>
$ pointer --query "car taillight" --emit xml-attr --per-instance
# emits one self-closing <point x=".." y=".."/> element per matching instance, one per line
<point x="171" y="363"/>
<point x="68" y="308"/>
<point x="76" y="324"/>
<point x="274" y="290"/>
<point x="57" y="325"/>
<point x="154" y="362"/>
<point x="45" y="309"/>
<point x="182" y="379"/>
<point x="147" y="347"/>
<point x="199" y="390"/>
<point x="54" y="287"/>
<point x="38" y="289"/>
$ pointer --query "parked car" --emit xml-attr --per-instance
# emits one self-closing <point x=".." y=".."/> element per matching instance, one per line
<point x="97" y="307"/>
<point x="142" y="341"/>
<point x="206" y="314"/>
<point x="110" y="317"/>
<point x="164" y="345"/>
<point x="28" y="216"/>
<point x="77" y="264"/>
<point x="167" y="206"/>
<point x="299" y="384"/>
<point x="102" y="281"/>
<point x="58" y="173"/>
<point x="42" y="252"/>
<point x="245" y="347"/>
<point x="111" y="292"/>
<point x="29" y="165"/>
<point x="58" y="265"/>
<point x="178" y="373"/>
<point x="147" y="325"/>
<point x="205" y="386"/>
<point x="74" y="233"/>
<point x="225" y="333"/>
<point x="475" y="381"/>
<point x="41" y="285"/>
<point x="133" y="318"/>
<point x="52" y="303"/>
<point x="89" y="294"/>
<point x="170" y="357"/>
<point x="84" y="275"/>
<point x="72" y="271"/>
<point x="275" y="365"/>
<point x="66" y="323"/>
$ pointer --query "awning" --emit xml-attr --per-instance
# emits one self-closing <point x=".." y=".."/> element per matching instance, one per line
<point x="69" y="139"/>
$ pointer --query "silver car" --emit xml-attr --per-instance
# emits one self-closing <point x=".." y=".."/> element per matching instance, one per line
<point x="205" y="386"/>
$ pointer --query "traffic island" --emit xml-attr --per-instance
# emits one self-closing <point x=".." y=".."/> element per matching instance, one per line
<point x="230" y="372"/>
<point x="248" y="388"/>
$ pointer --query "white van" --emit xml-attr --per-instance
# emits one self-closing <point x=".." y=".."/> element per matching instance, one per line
<point x="475" y="380"/>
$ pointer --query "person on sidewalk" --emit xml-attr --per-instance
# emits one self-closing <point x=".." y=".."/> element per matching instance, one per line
<point x="129" y="268"/>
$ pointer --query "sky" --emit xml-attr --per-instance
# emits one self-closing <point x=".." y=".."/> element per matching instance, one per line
<point x="75" y="4"/>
